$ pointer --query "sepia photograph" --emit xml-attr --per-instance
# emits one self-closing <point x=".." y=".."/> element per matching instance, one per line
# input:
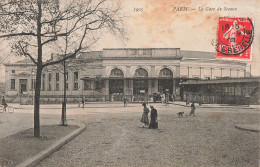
<point x="127" y="83"/>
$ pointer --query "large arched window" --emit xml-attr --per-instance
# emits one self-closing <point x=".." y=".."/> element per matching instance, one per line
<point x="165" y="73"/>
<point x="116" y="73"/>
<point x="141" y="73"/>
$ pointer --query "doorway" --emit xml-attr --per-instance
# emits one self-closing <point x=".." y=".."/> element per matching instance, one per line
<point x="23" y="86"/>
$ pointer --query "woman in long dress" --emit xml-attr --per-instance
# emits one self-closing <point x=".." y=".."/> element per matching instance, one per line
<point x="193" y="108"/>
<point x="145" y="118"/>
<point x="154" y="121"/>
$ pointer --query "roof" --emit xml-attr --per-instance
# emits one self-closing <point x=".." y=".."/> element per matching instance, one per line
<point x="137" y="48"/>
<point x="223" y="80"/>
<point x="198" y="54"/>
<point x="206" y="57"/>
<point x="90" y="55"/>
<point x="184" y="55"/>
<point x="24" y="61"/>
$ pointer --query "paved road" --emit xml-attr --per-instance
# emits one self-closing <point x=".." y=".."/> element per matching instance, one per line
<point x="115" y="137"/>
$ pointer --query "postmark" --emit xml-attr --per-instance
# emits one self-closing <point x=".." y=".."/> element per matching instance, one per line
<point x="235" y="38"/>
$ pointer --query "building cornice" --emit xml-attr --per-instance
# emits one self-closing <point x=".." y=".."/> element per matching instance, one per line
<point x="138" y="48"/>
<point x="141" y="58"/>
<point x="21" y="65"/>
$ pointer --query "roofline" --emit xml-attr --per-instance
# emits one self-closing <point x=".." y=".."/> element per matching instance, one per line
<point x="223" y="80"/>
<point x="216" y="60"/>
<point x="199" y="51"/>
<point x="142" y="58"/>
<point x="136" y="48"/>
<point x="19" y="64"/>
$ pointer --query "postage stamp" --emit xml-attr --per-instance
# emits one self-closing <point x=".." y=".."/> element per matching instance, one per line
<point x="235" y="37"/>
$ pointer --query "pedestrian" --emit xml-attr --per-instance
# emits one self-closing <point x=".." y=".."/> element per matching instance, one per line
<point x="125" y="101"/>
<point x="193" y="108"/>
<point x="173" y="97"/>
<point x="79" y="102"/>
<point x="154" y="118"/>
<point x="83" y="102"/>
<point x="163" y="98"/>
<point x="145" y="118"/>
<point x="4" y="103"/>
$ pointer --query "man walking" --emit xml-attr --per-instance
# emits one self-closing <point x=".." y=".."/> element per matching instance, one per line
<point x="125" y="101"/>
<point x="4" y="103"/>
<point x="83" y="102"/>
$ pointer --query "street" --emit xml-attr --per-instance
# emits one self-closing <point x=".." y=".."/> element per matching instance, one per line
<point x="114" y="136"/>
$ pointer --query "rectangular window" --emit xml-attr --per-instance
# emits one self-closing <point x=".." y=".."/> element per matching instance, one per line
<point x="98" y="85"/>
<point x="76" y="86"/>
<point x="67" y="83"/>
<point x="12" y="84"/>
<point x="43" y="81"/>
<point x="87" y="84"/>
<point x="238" y="90"/>
<point x="13" y="71"/>
<point x="229" y="90"/>
<point x="57" y="81"/>
<point x="76" y="77"/>
<point x="50" y="81"/>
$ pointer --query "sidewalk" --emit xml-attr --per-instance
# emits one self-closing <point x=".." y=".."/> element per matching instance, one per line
<point x="14" y="129"/>
<point x="130" y="104"/>
<point x="181" y="103"/>
<point x="75" y="105"/>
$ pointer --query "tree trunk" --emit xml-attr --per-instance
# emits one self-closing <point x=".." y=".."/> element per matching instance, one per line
<point x="38" y="74"/>
<point x="37" y="102"/>
<point x="63" y="115"/>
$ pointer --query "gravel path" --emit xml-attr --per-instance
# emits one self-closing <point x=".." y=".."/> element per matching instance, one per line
<point x="115" y="137"/>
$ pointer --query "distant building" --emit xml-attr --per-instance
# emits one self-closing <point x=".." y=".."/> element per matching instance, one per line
<point x="240" y="91"/>
<point x="111" y="74"/>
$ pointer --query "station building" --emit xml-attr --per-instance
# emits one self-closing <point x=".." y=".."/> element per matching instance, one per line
<point x="237" y="91"/>
<point x="111" y="74"/>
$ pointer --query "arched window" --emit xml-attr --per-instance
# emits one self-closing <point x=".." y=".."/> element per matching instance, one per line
<point x="141" y="73"/>
<point x="116" y="73"/>
<point x="165" y="73"/>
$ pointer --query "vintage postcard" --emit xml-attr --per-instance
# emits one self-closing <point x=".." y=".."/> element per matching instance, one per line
<point x="129" y="83"/>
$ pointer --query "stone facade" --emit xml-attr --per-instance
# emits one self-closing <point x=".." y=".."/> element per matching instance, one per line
<point x="111" y="74"/>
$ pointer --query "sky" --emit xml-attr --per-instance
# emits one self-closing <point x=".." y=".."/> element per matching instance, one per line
<point x="154" y="24"/>
<point x="158" y="26"/>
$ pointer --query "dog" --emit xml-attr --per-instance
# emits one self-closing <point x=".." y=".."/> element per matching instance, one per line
<point x="180" y="114"/>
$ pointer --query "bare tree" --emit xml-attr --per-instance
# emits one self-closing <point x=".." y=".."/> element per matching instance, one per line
<point x="32" y="26"/>
<point x="63" y="48"/>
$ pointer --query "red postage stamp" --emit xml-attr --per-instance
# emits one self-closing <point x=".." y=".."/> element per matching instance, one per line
<point x="235" y="36"/>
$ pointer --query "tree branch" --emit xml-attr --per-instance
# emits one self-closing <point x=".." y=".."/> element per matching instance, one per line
<point x="27" y="54"/>
<point x="18" y="34"/>
<point x="70" y="56"/>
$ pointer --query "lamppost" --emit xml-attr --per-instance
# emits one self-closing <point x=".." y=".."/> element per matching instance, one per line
<point x="32" y="73"/>
<point x="79" y="99"/>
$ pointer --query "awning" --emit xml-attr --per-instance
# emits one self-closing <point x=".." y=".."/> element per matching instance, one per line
<point x="222" y="81"/>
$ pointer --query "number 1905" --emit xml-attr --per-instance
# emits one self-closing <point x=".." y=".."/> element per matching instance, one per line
<point x="138" y="9"/>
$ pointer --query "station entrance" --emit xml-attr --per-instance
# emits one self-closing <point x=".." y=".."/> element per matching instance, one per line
<point x="140" y="85"/>
<point x="116" y="85"/>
